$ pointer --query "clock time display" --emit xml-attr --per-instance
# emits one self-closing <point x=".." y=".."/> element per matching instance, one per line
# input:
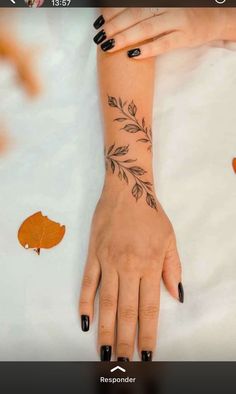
<point x="61" y="3"/>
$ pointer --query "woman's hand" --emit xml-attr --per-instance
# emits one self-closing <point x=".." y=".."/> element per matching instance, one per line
<point x="152" y="31"/>
<point x="131" y="247"/>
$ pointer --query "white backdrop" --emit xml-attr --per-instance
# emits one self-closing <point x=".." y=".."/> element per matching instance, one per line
<point x="56" y="165"/>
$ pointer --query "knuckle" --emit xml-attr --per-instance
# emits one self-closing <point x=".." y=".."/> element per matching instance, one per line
<point x="87" y="281"/>
<point x="84" y="306"/>
<point x="107" y="253"/>
<point x="149" y="311"/>
<point x="105" y="333"/>
<point x="128" y="255"/>
<point x="128" y="261"/>
<point x="83" y="302"/>
<point x="107" y="301"/>
<point x="128" y="313"/>
<point x="147" y="341"/>
<point x="124" y="348"/>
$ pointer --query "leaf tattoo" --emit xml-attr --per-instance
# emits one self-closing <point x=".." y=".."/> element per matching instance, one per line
<point x="133" y="125"/>
<point x="113" y="156"/>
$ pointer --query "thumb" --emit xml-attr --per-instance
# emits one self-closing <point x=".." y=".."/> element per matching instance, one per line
<point x="171" y="273"/>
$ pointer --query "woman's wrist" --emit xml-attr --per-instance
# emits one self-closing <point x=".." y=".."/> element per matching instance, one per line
<point x="135" y="189"/>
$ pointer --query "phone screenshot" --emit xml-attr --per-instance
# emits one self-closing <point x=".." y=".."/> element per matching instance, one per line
<point x="117" y="196"/>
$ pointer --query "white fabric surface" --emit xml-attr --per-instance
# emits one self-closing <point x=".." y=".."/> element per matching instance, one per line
<point x="56" y="165"/>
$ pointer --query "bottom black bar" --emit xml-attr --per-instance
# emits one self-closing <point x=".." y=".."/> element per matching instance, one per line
<point x="136" y="377"/>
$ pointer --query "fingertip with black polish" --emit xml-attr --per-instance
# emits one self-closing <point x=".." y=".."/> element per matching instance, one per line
<point x="126" y="359"/>
<point x="105" y="353"/>
<point x="134" y="52"/>
<point x="84" y="322"/>
<point x="146" y="355"/>
<point x="99" y="22"/>
<point x="107" y="45"/>
<point x="100" y="37"/>
<point x="181" y="292"/>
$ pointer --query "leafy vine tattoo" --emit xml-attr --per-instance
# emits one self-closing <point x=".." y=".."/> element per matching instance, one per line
<point x="125" y="171"/>
<point x="133" y="125"/>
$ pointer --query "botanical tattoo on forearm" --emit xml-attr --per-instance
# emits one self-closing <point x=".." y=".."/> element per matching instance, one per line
<point x="126" y="171"/>
<point x="132" y="124"/>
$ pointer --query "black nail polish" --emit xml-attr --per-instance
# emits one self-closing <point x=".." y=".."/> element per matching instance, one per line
<point x="109" y="44"/>
<point x="105" y="353"/>
<point x="84" y="322"/>
<point x="100" y="37"/>
<point x="146" y="355"/>
<point x="181" y="292"/>
<point x="99" y="22"/>
<point x="134" y="52"/>
<point x="122" y="359"/>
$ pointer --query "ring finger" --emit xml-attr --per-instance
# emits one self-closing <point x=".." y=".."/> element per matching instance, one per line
<point x="127" y="316"/>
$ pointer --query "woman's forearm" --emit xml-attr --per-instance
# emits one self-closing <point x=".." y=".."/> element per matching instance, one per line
<point x="126" y="88"/>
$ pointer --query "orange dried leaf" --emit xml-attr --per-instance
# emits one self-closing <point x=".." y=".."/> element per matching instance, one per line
<point x="234" y="164"/>
<point x="37" y="232"/>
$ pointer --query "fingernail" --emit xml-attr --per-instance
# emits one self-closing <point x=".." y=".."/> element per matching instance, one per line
<point x="99" y="22"/>
<point x="122" y="359"/>
<point x="146" y="355"/>
<point x="100" y="37"/>
<point x="108" y="44"/>
<point x="84" y="322"/>
<point x="134" y="52"/>
<point x="105" y="353"/>
<point x="181" y="292"/>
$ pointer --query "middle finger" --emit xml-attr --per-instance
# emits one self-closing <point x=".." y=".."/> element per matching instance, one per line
<point x="127" y="315"/>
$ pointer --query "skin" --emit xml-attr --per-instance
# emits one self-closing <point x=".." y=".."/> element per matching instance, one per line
<point x="132" y="246"/>
<point x="158" y="30"/>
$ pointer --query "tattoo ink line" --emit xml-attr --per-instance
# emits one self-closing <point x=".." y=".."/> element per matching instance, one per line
<point x="130" y="115"/>
<point x="140" y="186"/>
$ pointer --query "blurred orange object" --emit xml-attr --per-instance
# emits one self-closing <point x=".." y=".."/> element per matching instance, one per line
<point x="21" y="58"/>
<point x="234" y="164"/>
<point x="4" y="141"/>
